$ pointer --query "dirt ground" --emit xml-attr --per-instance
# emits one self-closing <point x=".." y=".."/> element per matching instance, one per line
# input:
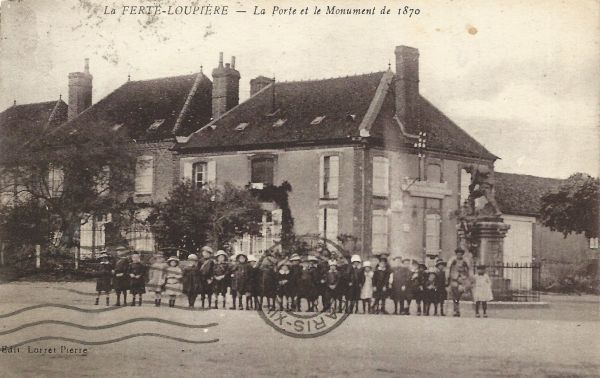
<point x="560" y="340"/>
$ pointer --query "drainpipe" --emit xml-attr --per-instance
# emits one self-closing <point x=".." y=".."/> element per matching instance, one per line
<point x="363" y="199"/>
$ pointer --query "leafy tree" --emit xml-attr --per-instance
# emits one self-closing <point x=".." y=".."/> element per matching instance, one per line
<point x="574" y="208"/>
<point x="72" y="174"/>
<point x="192" y="217"/>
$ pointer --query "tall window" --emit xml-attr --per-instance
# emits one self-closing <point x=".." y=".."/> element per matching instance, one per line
<point x="56" y="178"/>
<point x="328" y="223"/>
<point x="465" y="181"/>
<point x="380" y="232"/>
<point x="144" y="175"/>
<point x="433" y="229"/>
<point x="199" y="174"/>
<point x="330" y="170"/>
<point x="262" y="170"/>
<point x="381" y="178"/>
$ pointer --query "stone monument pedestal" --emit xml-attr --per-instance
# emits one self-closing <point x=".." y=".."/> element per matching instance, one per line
<point x="489" y="234"/>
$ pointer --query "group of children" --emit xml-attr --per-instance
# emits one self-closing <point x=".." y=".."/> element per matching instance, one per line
<point x="286" y="283"/>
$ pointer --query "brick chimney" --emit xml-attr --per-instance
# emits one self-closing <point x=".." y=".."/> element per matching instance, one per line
<point x="407" y="86"/>
<point x="259" y="83"/>
<point x="226" y="87"/>
<point x="80" y="90"/>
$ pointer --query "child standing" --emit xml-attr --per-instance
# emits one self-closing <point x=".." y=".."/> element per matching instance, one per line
<point x="157" y="277"/>
<point x="137" y="278"/>
<point x="332" y="278"/>
<point x="121" y="275"/>
<point x="239" y="280"/>
<point x="221" y="274"/>
<point x="366" y="291"/>
<point x="253" y="287"/>
<point x="283" y="285"/>
<point x="190" y="279"/>
<point x="206" y="275"/>
<point x="440" y="285"/>
<point x="429" y="294"/>
<point x="173" y="277"/>
<point x="482" y="292"/>
<point x="104" y="274"/>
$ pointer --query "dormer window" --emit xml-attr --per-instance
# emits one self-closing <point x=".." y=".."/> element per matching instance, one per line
<point x="117" y="126"/>
<point x="154" y="126"/>
<point x="280" y="122"/>
<point x="351" y="117"/>
<point x="241" y="126"/>
<point x="317" y="120"/>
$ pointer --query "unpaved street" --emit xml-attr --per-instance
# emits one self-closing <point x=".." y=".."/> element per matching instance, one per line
<point x="241" y="344"/>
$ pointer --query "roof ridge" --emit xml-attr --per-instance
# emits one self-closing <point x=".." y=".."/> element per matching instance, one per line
<point x="161" y="78"/>
<point x="331" y="78"/>
<point x="186" y="104"/>
<point x="528" y="175"/>
<point x="376" y="103"/>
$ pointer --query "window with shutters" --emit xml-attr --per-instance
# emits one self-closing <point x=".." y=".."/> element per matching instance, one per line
<point x="262" y="170"/>
<point x="330" y="170"/>
<point x="380" y="232"/>
<point x="328" y="223"/>
<point x="56" y="177"/>
<point x="199" y="174"/>
<point x="381" y="182"/>
<point x="594" y="243"/>
<point x="432" y="233"/>
<point x="144" y="175"/>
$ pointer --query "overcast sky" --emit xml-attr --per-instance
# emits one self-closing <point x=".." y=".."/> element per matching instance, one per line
<point x="523" y="79"/>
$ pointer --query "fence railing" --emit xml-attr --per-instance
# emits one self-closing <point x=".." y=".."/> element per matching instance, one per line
<point x="516" y="282"/>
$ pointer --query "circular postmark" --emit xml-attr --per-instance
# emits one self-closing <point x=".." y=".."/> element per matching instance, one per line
<point x="306" y="324"/>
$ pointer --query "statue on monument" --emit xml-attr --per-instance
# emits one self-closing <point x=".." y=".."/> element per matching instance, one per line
<point x="482" y="185"/>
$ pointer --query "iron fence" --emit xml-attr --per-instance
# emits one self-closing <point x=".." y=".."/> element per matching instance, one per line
<point x="516" y="282"/>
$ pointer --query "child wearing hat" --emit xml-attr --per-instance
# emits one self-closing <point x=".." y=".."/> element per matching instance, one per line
<point x="137" y="280"/>
<point x="429" y="292"/>
<point x="440" y="285"/>
<point x="253" y="289"/>
<point x="354" y="280"/>
<point x="366" y="290"/>
<point x="283" y="285"/>
<point x="380" y="286"/>
<point x="482" y="290"/>
<point x="419" y="282"/>
<point x="156" y="278"/>
<point x="104" y="275"/>
<point x="400" y="285"/>
<point x="206" y="275"/>
<point x="173" y="278"/>
<point x="191" y="279"/>
<point x="306" y="283"/>
<point x="121" y="276"/>
<point x="295" y="272"/>
<point x="239" y="280"/>
<point x="221" y="274"/>
<point x="330" y="298"/>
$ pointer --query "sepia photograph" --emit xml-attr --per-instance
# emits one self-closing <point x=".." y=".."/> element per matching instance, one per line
<point x="275" y="188"/>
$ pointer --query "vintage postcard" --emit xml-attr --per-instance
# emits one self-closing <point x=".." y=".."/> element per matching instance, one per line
<point x="299" y="188"/>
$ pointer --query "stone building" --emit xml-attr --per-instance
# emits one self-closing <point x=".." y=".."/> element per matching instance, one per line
<point x="365" y="155"/>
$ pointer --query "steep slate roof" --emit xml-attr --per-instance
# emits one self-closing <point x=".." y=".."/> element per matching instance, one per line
<point x="299" y="103"/>
<point x="521" y="194"/>
<point x="337" y="99"/>
<point x="20" y="123"/>
<point x="136" y="105"/>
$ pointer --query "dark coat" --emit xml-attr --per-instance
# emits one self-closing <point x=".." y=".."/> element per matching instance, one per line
<point x="295" y="272"/>
<point x="221" y="276"/>
<point x="440" y="284"/>
<point x="267" y="281"/>
<point x="401" y="278"/>
<point x="354" y="283"/>
<point x="380" y="283"/>
<point x="121" y="276"/>
<point x="418" y="280"/>
<point x="191" y="280"/>
<point x="284" y="284"/>
<point x="239" y="278"/>
<point x="104" y="277"/>
<point x="206" y="276"/>
<point x="137" y="278"/>
<point x="429" y="290"/>
<point x="253" y="284"/>
<point x="307" y="283"/>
